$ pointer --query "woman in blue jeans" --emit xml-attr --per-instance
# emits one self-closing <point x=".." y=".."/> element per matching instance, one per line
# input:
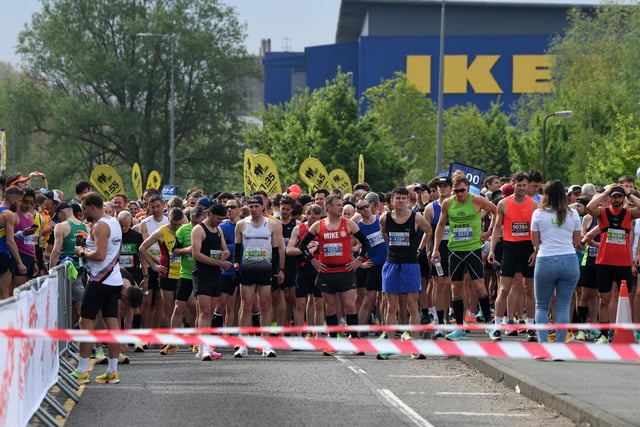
<point x="555" y="232"/>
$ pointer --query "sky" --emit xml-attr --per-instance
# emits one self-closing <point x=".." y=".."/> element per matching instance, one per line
<point x="302" y="22"/>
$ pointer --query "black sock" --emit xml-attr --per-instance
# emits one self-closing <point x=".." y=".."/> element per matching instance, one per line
<point x="425" y="312"/>
<point x="217" y="321"/>
<point x="255" y="320"/>
<point x="485" y="306"/>
<point x="440" y="317"/>
<point x="137" y="321"/>
<point x="458" y="310"/>
<point x="583" y="312"/>
<point x="332" y="321"/>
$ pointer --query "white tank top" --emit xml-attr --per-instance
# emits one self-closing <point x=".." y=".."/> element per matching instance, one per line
<point x="256" y="243"/>
<point x="98" y="268"/>
<point x="153" y="225"/>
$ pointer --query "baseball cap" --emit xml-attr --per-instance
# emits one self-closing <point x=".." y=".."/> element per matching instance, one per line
<point x="443" y="180"/>
<point x="76" y="208"/>
<point x="419" y="187"/>
<point x="617" y="190"/>
<point x="52" y="195"/>
<point x="204" y="202"/>
<point x="60" y="207"/>
<point x="507" y="189"/>
<point x="294" y="191"/>
<point x="18" y="179"/>
<point x="574" y="189"/>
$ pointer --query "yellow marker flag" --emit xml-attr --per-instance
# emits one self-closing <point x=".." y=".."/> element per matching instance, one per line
<point x="361" y="168"/>
<point x="248" y="179"/>
<point x="314" y="174"/>
<point x="338" y="178"/>
<point x="106" y="180"/>
<point x="265" y="174"/>
<point x="3" y="168"/>
<point x="154" y="180"/>
<point x="136" y="180"/>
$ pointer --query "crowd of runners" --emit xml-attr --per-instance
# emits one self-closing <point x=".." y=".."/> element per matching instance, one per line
<point x="520" y="252"/>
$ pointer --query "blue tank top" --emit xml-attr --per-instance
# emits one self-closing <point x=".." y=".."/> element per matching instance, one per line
<point x="229" y="232"/>
<point x="377" y="251"/>
<point x="4" y="249"/>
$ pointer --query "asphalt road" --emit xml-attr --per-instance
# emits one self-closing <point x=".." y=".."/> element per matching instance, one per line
<point x="304" y="388"/>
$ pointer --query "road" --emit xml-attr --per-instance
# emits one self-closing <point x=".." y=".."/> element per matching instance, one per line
<point x="304" y="388"/>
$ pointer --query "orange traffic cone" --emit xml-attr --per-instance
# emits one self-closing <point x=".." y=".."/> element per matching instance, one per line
<point x="623" y="315"/>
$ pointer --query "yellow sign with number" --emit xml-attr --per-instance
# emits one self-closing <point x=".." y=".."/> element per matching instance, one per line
<point x="136" y="180"/>
<point x="106" y="180"/>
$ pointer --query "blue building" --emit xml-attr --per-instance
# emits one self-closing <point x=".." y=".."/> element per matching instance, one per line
<point x="494" y="50"/>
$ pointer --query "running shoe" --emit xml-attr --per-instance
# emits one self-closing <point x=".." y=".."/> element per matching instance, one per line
<point x="123" y="359"/>
<point x="495" y="335"/>
<point x="636" y="336"/>
<point x="570" y="337"/>
<point x="242" y="351"/>
<point x="532" y="335"/>
<point x="138" y="348"/>
<point x="169" y="349"/>
<point x="383" y="356"/>
<point x="268" y="352"/>
<point x="205" y="356"/>
<point x="383" y="335"/>
<point x="108" y="378"/>
<point x="418" y="356"/>
<point x="215" y="355"/>
<point x="457" y="335"/>
<point x="195" y="348"/>
<point x="101" y="359"/>
<point x="581" y="336"/>
<point x="439" y="334"/>
<point x="470" y="317"/>
<point x="602" y="340"/>
<point x="327" y="352"/>
<point x="81" y="377"/>
<point x="511" y="330"/>
<point x="406" y="336"/>
<point x="522" y="326"/>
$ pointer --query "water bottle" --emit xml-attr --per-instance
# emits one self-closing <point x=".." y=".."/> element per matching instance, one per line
<point x="438" y="265"/>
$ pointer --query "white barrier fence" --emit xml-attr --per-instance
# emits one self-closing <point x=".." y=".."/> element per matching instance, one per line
<point x="29" y="367"/>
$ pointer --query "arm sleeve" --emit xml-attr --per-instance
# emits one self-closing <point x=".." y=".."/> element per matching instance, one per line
<point x="275" y="260"/>
<point x="237" y="253"/>
<point x="363" y="241"/>
<point x="303" y="246"/>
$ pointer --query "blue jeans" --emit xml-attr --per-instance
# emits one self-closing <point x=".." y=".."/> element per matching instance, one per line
<point x="559" y="274"/>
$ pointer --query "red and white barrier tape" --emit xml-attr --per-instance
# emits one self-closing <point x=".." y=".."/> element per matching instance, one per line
<point x="572" y="351"/>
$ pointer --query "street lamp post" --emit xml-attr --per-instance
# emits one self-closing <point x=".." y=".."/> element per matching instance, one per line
<point x="172" y="101"/>
<point x="566" y="113"/>
<point x="440" y="94"/>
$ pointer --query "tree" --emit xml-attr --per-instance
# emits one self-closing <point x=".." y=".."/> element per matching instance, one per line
<point x="104" y="91"/>
<point x="327" y="125"/>
<point x="408" y="119"/>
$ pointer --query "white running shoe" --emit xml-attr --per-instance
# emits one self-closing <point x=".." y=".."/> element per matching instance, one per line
<point x="243" y="351"/>
<point x="268" y="352"/>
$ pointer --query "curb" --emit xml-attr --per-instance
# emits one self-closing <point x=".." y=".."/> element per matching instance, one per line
<point x="536" y="390"/>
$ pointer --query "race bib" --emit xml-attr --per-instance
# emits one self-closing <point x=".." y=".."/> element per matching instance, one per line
<point x="174" y="260"/>
<point x="215" y="254"/>
<point x="462" y="234"/>
<point x="332" y="249"/>
<point x="31" y="240"/>
<point x="616" y="236"/>
<point x="255" y="254"/>
<point x="445" y="235"/>
<point x="126" y="261"/>
<point x="375" y="239"/>
<point x="398" y="238"/>
<point x="128" y="249"/>
<point x="592" y="252"/>
<point x="519" y="229"/>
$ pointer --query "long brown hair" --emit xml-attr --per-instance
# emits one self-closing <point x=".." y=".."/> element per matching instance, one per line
<point x="554" y="197"/>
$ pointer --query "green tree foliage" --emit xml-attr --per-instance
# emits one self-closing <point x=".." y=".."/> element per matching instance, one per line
<point x="596" y="76"/>
<point x="101" y="92"/>
<point x="408" y="121"/>
<point x="327" y="125"/>
<point x="477" y="139"/>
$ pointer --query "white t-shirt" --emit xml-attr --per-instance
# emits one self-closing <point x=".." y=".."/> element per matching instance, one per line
<point x="554" y="239"/>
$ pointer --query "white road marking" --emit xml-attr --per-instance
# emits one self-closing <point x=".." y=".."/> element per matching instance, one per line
<point x="483" y="414"/>
<point x="357" y="370"/>
<point x="461" y="393"/>
<point x="425" y="376"/>
<point x="413" y="416"/>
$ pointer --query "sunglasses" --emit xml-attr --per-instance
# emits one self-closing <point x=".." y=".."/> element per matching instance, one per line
<point x="459" y="190"/>
<point x="232" y="207"/>
<point x="361" y="208"/>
